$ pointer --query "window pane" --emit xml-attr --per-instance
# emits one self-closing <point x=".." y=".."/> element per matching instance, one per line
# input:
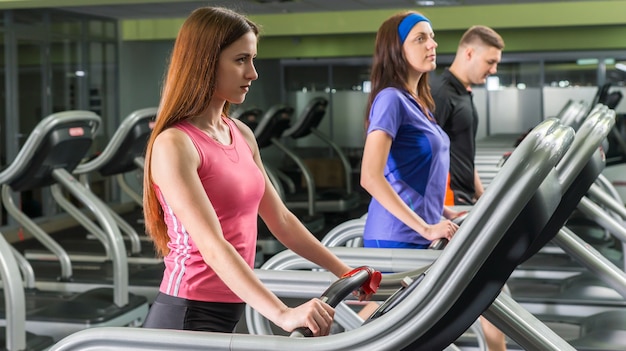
<point x="306" y="78"/>
<point x="574" y="73"/>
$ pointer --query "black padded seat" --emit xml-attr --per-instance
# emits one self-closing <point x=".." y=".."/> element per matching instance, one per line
<point x="51" y="152"/>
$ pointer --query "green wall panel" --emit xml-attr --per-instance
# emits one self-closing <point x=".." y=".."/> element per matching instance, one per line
<point x="584" y="25"/>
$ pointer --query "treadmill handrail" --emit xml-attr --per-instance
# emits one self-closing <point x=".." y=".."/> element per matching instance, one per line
<point x="386" y="260"/>
<point x="14" y="298"/>
<point x="36" y="136"/>
<point x="344" y="232"/>
<point x="276" y="115"/>
<point x="518" y="323"/>
<point x="595" y="127"/>
<point x="116" y="140"/>
<point x="592" y="259"/>
<point x="309" y="118"/>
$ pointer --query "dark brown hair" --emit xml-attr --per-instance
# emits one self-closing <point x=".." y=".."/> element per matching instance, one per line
<point x="389" y="66"/>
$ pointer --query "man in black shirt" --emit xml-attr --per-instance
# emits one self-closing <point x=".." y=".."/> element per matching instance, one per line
<point x="477" y="57"/>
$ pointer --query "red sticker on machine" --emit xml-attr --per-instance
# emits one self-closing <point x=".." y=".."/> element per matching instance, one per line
<point x="76" y="131"/>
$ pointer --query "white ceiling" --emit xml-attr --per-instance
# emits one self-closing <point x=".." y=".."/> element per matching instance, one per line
<point x="178" y="9"/>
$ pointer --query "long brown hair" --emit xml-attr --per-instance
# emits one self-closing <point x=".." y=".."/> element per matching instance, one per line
<point x="389" y="66"/>
<point x="188" y="88"/>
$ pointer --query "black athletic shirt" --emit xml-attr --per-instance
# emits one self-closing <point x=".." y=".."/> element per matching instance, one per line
<point x="456" y="114"/>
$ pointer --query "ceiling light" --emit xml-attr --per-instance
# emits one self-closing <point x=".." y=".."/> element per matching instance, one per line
<point x="272" y="1"/>
<point x="587" y="61"/>
<point x="436" y="2"/>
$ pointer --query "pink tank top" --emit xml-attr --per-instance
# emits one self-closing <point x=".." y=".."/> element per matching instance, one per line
<point x="235" y="185"/>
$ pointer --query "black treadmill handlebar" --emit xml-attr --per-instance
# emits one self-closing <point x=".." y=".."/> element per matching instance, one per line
<point x="439" y="244"/>
<point x="363" y="279"/>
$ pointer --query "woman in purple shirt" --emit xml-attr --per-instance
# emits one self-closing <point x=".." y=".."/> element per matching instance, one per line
<point x="406" y="155"/>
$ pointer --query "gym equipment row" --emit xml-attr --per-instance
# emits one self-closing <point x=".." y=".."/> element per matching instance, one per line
<point x="446" y="301"/>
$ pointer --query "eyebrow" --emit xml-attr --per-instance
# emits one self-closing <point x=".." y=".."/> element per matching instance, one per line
<point x="426" y="33"/>
<point x="244" y="54"/>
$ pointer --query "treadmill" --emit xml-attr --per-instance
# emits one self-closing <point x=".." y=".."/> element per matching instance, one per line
<point x="52" y="150"/>
<point x="249" y="116"/>
<point x="267" y="245"/>
<point x="268" y="132"/>
<point x="123" y="154"/>
<point x="492" y="151"/>
<point x="330" y="200"/>
<point x="430" y="315"/>
<point x="573" y="114"/>
<point x="600" y="331"/>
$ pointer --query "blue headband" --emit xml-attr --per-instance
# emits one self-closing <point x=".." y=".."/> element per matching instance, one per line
<point x="408" y="23"/>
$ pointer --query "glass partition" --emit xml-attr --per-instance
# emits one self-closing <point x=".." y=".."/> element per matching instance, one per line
<point x="342" y="83"/>
<point x="514" y="99"/>
<point x="616" y="75"/>
<point x="54" y="61"/>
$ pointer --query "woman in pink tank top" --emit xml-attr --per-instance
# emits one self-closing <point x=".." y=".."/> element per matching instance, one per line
<point x="205" y="185"/>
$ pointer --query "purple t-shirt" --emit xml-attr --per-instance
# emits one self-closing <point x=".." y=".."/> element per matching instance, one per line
<point x="417" y="166"/>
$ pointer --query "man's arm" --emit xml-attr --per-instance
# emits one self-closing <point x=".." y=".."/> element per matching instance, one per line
<point x="478" y="186"/>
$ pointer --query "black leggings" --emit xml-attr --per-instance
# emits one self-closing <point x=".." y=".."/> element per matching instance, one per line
<point x="169" y="312"/>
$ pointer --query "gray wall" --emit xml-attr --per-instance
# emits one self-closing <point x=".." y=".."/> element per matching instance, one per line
<point x="143" y="65"/>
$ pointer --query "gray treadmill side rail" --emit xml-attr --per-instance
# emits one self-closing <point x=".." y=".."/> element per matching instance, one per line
<point x="16" y="337"/>
<point x="13" y="297"/>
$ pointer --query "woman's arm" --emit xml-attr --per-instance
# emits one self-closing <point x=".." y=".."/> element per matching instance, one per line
<point x="375" y="153"/>
<point x="286" y="227"/>
<point x="174" y="169"/>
